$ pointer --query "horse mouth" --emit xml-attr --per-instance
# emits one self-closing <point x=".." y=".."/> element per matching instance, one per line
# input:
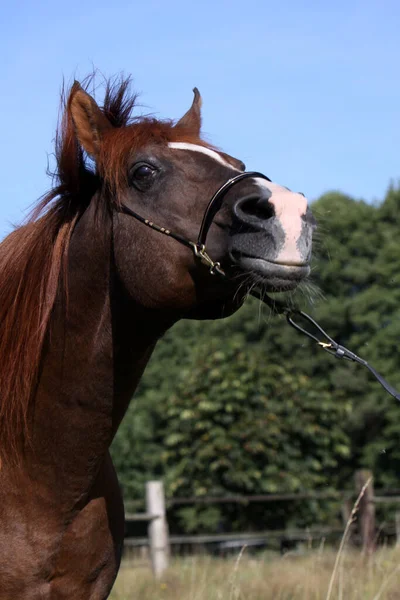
<point x="274" y="276"/>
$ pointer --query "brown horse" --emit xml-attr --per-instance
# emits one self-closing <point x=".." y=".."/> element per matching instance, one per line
<point x="85" y="293"/>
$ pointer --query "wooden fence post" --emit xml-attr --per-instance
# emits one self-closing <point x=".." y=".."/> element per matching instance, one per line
<point x="158" y="527"/>
<point x="366" y="511"/>
<point x="397" y="517"/>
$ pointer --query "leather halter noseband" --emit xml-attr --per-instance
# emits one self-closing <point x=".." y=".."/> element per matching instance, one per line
<point x="200" y="252"/>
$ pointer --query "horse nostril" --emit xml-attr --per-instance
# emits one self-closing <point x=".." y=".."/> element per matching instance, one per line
<point x="255" y="206"/>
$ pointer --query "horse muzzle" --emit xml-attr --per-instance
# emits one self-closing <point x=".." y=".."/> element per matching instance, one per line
<point x="272" y="235"/>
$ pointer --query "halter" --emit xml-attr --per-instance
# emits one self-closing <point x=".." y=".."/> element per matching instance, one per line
<point x="199" y="250"/>
<point x="199" y="247"/>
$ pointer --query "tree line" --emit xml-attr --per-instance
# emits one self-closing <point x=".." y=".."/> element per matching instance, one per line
<point x="248" y="406"/>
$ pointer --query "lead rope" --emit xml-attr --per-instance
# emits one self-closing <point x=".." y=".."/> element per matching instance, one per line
<point x="326" y="343"/>
<point x="335" y="349"/>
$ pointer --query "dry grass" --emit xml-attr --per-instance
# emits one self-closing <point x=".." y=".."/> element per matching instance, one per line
<point x="292" y="577"/>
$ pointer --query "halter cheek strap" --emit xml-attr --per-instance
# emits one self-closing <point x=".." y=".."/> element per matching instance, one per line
<point x="214" y="205"/>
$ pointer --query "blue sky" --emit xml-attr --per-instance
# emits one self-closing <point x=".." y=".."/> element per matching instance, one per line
<point x="307" y="92"/>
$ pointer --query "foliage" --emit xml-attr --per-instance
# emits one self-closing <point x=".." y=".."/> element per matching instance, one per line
<point x="258" y="430"/>
<point x="247" y="406"/>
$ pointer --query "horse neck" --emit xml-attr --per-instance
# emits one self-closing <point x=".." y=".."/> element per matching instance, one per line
<point x="98" y="345"/>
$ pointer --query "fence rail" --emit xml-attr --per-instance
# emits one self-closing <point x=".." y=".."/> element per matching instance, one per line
<point x="255" y="498"/>
<point x="159" y="541"/>
<point x="276" y="534"/>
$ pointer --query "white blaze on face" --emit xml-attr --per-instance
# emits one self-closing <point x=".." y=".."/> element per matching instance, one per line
<point x="203" y="150"/>
<point x="289" y="208"/>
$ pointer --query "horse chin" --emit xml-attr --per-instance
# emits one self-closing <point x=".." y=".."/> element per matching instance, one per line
<point x="273" y="276"/>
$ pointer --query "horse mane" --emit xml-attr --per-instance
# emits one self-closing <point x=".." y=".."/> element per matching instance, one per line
<point x="33" y="257"/>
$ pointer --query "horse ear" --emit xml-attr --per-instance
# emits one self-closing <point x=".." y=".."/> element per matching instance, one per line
<point x="192" y="119"/>
<point x="89" y="121"/>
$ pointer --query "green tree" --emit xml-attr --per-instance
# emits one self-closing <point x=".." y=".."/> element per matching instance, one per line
<point x="247" y="405"/>
<point x="259" y="429"/>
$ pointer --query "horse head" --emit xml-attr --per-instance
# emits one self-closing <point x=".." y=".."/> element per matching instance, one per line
<point x="165" y="174"/>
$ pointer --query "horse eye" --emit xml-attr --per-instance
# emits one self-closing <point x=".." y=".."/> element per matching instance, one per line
<point x="143" y="172"/>
<point x="143" y="175"/>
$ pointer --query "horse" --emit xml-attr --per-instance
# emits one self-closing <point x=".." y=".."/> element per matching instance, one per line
<point x="101" y="269"/>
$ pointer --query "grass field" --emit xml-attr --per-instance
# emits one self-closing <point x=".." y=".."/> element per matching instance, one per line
<point x="266" y="577"/>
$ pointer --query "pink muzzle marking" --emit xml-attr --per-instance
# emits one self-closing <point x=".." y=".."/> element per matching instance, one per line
<point x="289" y="209"/>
